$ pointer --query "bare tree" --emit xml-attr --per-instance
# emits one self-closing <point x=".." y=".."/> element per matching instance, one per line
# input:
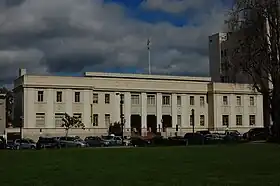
<point x="71" y="122"/>
<point x="255" y="24"/>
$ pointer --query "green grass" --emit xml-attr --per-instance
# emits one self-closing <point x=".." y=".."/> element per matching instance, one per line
<point x="255" y="164"/>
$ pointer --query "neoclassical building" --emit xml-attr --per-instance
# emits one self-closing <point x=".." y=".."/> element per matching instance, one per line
<point x="150" y="103"/>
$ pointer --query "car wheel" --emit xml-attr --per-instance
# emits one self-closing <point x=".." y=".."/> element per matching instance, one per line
<point x="79" y="146"/>
<point x="33" y="147"/>
<point x="17" y="147"/>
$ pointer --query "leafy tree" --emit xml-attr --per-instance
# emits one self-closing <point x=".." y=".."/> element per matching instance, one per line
<point x="255" y="27"/>
<point x="71" y="122"/>
<point x="9" y="103"/>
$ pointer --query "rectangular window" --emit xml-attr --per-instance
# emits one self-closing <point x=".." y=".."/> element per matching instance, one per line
<point x="202" y="101"/>
<point x="179" y="120"/>
<point x="151" y="99"/>
<point x="166" y="100"/>
<point x="225" y="100"/>
<point x="95" y="98"/>
<point x="191" y="100"/>
<point x="191" y="120"/>
<point x="122" y="97"/>
<point x="58" y="119"/>
<point x="179" y="101"/>
<point x="95" y="120"/>
<point x="225" y="119"/>
<point x="107" y="98"/>
<point x="252" y="120"/>
<point x="252" y="101"/>
<point x="135" y="99"/>
<point x="40" y="96"/>
<point x="238" y="119"/>
<point x="238" y="100"/>
<point x="107" y="120"/>
<point x="78" y="115"/>
<point x="77" y="97"/>
<point x="40" y="120"/>
<point x="202" y="120"/>
<point x="58" y="96"/>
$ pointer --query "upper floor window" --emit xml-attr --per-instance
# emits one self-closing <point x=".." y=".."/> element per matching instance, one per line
<point x="95" y="98"/>
<point x="191" y="100"/>
<point x="77" y="97"/>
<point x="151" y="99"/>
<point x="58" y="96"/>
<point x="135" y="99"/>
<point x="225" y="100"/>
<point x="166" y="100"/>
<point x="202" y="101"/>
<point x="122" y="97"/>
<point x="252" y="101"/>
<point x="238" y="100"/>
<point x="40" y="96"/>
<point x="107" y="98"/>
<point x="179" y="101"/>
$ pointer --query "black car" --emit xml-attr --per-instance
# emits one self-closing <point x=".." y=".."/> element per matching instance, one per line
<point x="256" y="134"/>
<point x="94" y="141"/>
<point x="194" y="138"/>
<point x="47" y="142"/>
<point x="204" y="132"/>
<point x="140" y="142"/>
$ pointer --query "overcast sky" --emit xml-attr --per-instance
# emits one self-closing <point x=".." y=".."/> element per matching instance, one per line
<point x="73" y="36"/>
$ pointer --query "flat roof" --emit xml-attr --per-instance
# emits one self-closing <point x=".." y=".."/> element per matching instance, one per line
<point x="146" y="76"/>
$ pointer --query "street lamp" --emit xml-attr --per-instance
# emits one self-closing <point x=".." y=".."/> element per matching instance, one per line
<point x="193" y="120"/>
<point x="121" y="113"/>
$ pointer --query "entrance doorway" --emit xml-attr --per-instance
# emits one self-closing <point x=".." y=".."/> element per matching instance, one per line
<point x="166" y="122"/>
<point x="152" y="123"/>
<point x="135" y="123"/>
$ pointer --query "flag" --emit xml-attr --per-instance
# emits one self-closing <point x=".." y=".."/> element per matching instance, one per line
<point x="148" y="43"/>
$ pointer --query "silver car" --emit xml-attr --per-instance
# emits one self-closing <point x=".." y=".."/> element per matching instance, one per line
<point x="72" y="142"/>
<point x="24" y="144"/>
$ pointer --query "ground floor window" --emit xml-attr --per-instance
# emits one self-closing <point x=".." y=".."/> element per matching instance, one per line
<point x="225" y="120"/>
<point x="252" y="119"/>
<point x="202" y="120"/>
<point x="58" y="119"/>
<point x="40" y="120"/>
<point x="238" y="119"/>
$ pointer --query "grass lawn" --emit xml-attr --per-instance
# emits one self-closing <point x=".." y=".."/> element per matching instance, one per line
<point x="255" y="164"/>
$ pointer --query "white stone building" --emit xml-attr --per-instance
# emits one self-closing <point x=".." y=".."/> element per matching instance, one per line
<point x="151" y="102"/>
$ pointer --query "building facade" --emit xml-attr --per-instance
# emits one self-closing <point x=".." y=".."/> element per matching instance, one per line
<point x="2" y="114"/>
<point x="151" y="103"/>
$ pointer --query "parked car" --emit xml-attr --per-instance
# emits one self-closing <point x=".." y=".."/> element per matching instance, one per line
<point x="256" y="134"/>
<point x="194" y="138"/>
<point x="126" y="141"/>
<point x="204" y="132"/>
<point x="24" y="144"/>
<point x="48" y="142"/>
<point x="94" y="141"/>
<point x="10" y="145"/>
<point x="112" y="140"/>
<point x="2" y="143"/>
<point x="140" y="141"/>
<point x="71" y="142"/>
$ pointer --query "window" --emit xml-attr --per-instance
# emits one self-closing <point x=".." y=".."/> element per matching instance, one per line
<point x="59" y="96"/>
<point x="179" y="120"/>
<point x="135" y="99"/>
<point x="191" y="120"/>
<point x="77" y="97"/>
<point x="225" y="119"/>
<point x="166" y="100"/>
<point x="202" y="120"/>
<point x="238" y="119"/>
<point x="252" y="101"/>
<point x="40" y="120"/>
<point x="225" y="100"/>
<point x="107" y="120"/>
<point x="95" y="120"/>
<point x="202" y="101"/>
<point x="40" y="96"/>
<point x="58" y="119"/>
<point x="122" y="97"/>
<point x="179" y="101"/>
<point x="238" y="100"/>
<point x="95" y="98"/>
<point x="191" y="100"/>
<point x="151" y="99"/>
<point x="78" y="115"/>
<point x="252" y="120"/>
<point x="107" y="98"/>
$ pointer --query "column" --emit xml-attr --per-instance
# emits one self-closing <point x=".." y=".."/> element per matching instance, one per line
<point x="232" y="115"/>
<point x="144" y="112"/>
<point x="49" y="117"/>
<point x="159" y="109"/>
<point x="68" y="101"/>
<point x="127" y="110"/>
<point x="87" y="101"/>
<point x="116" y="98"/>
<point x="174" y="110"/>
<point x="185" y="113"/>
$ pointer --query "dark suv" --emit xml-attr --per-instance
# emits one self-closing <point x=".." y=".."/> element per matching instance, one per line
<point x="256" y="134"/>
<point x="46" y="142"/>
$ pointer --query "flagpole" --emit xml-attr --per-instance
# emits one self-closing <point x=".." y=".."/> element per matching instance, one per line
<point x="149" y="55"/>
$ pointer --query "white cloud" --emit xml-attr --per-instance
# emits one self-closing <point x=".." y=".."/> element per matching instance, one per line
<point x="71" y="35"/>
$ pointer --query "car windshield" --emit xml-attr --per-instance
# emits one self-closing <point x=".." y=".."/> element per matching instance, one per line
<point x="107" y="137"/>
